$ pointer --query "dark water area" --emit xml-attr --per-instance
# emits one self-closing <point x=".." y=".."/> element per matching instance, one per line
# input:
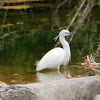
<point x="26" y="35"/>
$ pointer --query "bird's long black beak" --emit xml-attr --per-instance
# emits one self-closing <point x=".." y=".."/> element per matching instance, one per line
<point x="72" y="33"/>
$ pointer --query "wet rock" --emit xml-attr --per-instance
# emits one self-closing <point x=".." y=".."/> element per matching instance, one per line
<point x="85" y="88"/>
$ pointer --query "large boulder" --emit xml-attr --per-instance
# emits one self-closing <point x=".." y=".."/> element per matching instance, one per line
<point x="97" y="97"/>
<point x="85" y="88"/>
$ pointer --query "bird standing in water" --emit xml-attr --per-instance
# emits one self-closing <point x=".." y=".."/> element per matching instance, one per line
<point x="57" y="56"/>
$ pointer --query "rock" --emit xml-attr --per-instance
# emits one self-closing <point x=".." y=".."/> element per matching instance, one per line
<point x="16" y="93"/>
<point x="66" y="89"/>
<point x="97" y="97"/>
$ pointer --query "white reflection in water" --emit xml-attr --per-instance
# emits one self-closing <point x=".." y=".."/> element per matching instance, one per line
<point x="50" y="76"/>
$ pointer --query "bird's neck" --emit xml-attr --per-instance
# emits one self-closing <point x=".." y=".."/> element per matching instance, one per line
<point x="65" y="44"/>
<point x="66" y="49"/>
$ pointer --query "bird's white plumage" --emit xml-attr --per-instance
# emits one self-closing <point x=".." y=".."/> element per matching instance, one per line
<point x="57" y="56"/>
<point x="51" y="59"/>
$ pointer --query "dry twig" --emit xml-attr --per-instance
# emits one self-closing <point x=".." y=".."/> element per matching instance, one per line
<point x="68" y="75"/>
<point x="89" y="66"/>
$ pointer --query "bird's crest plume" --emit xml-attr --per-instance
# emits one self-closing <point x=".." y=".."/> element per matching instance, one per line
<point x="56" y="37"/>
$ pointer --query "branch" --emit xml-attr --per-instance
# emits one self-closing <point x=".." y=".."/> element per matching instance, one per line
<point x="75" y="15"/>
<point x="90" y="63"/>
<point x="89" y="66"/>
<point x="73" y="19"/>
<point x="61" y="4"/>
<point x="84" y="15"/>
<point x="68" y="75"/>
<point x="4" y="18"/>
<point x="58" y="6"/>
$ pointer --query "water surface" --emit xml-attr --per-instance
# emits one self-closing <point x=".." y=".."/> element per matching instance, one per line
<point x="26" y="35"/>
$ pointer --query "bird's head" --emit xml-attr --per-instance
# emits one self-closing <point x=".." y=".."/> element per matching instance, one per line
<point x="65" y="33"/>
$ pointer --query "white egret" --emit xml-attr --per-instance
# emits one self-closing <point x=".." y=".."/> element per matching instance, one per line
<point x="57" y="56"/>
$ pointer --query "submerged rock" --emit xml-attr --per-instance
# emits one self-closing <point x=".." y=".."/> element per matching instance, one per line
<point x="85" y="88"/>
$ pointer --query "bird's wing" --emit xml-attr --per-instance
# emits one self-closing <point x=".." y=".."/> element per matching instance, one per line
<point x="52" y="59"/>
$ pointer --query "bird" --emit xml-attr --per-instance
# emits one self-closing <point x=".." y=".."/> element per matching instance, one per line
<point x="56" y="56"/>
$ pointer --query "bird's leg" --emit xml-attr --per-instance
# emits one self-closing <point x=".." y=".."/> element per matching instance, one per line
<point x="58" y="68"/>
<point x="64" y="68"/>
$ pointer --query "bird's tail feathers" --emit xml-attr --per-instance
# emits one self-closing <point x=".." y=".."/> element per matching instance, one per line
<point x="39" y="68"/>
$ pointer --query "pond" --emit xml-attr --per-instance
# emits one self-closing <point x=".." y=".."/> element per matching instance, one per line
<point x="26" y="35"/>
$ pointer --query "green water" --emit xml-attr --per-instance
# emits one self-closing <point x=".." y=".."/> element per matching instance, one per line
<point x="31" y="36"/>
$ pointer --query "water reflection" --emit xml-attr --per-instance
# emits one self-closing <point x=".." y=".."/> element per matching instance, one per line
<point x="50" y="76"/>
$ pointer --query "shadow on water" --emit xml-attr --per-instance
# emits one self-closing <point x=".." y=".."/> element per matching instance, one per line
<point x="26" y="35"/>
